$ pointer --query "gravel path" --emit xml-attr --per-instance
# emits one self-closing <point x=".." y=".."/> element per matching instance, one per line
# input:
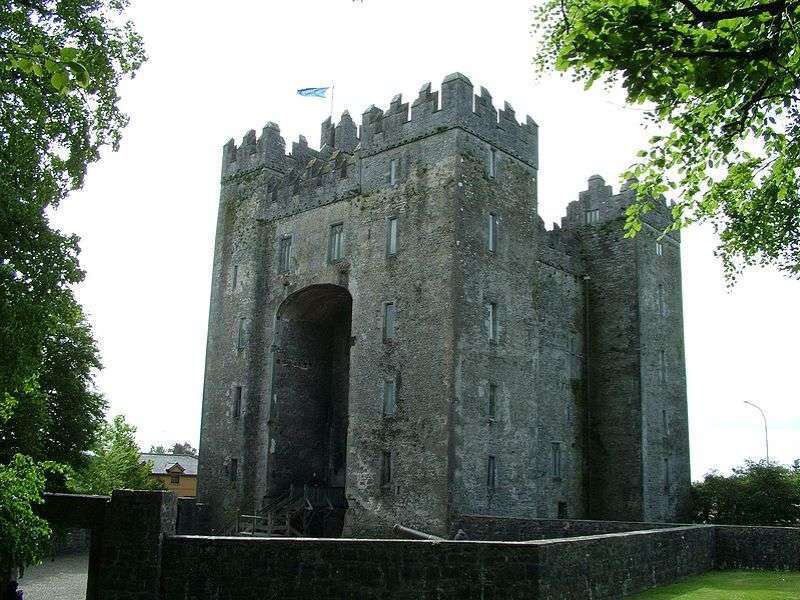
<point x="61" y="579"/>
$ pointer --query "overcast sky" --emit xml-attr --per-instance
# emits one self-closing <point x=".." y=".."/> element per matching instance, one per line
<point x="147" y="213"/>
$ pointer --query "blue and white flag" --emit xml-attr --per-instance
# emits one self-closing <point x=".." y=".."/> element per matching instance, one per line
<point x="316" y="92"/>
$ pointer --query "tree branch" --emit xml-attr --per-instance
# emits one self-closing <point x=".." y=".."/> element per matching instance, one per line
<point x="706" y="16"/>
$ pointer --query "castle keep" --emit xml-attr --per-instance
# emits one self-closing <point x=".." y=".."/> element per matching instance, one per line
<point x="395" y="337"/>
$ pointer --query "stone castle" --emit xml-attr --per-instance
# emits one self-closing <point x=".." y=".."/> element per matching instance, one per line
<point x="395" y="337"/>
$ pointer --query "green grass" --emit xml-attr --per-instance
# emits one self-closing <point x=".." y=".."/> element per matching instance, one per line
<point x="731" y="585"/>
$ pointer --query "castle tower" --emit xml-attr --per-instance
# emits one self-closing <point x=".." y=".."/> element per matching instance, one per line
<point x="637" y="427"/>
<point x="394" y="334"/>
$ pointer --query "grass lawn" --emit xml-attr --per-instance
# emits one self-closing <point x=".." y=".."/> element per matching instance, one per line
<point x="731" y="585"/>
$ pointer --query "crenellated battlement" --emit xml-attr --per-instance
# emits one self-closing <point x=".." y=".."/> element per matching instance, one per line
<point x="600" y="197"/>
<point x="306" y="177"/>
<point x="455" y="105"/>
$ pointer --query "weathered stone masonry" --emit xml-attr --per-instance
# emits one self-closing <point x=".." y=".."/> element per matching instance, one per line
<point x="529" y="372"/>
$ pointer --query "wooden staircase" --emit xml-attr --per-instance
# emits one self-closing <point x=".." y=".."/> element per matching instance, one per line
<point x="295" y="513"/>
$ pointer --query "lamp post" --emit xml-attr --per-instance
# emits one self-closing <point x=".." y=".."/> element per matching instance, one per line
<point x="763" y="416"/>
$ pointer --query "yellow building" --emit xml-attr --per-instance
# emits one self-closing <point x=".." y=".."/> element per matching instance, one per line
<point x="177" y="472"/>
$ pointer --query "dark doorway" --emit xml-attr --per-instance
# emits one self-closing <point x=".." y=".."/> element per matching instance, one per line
<point x="308" y="417"/>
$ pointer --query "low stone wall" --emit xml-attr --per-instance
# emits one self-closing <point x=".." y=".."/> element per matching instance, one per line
<point x="620" y="564"/>
<point x="773" y="548"/>
<point x="196" y="568"/>
<point x="490" y="528"/>
<point x="136" y="556"/>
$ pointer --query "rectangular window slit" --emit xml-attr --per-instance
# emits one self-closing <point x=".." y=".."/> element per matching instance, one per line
<point x="386" y="468"/>
<point x="391" y="236"/>
<point x="285" y="254"/>
<point x="491" y="233"/>
<point x="491" y="320"/>
<point x="491" y="473"/>
<point x="389" y="320"/>
<point x="389" y="397"/>
<point x="556" y="450"/>
<point x="237" y="400"/>
<point x="234" y="470"/>
<point x="336" y="242"/>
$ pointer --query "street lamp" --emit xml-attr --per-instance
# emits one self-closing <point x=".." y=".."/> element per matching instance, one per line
<point x="763" y="416"/>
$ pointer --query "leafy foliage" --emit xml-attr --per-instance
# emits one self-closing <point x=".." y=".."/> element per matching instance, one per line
<point x="60" y="65"/>
<point x="757" y="493"/>
<point x="722" y="78"/>
<point x="115" y="463"/>
<point x="186" y="449"/>
<point x="57" y="413"/>
<point x="24" y="536"/>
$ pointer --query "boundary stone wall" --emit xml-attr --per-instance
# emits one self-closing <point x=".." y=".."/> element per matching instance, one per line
<point x="595" y="567"/>
<point x="135" y="556"/>
<point x="510" y="529"/>
<point x="772" y="548"/>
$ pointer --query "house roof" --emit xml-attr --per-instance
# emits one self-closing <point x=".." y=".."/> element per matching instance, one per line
<point x="164" y="463"/>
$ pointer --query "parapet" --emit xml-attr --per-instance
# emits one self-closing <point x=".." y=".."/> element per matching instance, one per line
<point x="454" y="105"/>
<point x="306" y="177"/>
<point x="600" y="197"/>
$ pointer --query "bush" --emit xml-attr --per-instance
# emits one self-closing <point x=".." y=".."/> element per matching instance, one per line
<point x="757" y="493"/>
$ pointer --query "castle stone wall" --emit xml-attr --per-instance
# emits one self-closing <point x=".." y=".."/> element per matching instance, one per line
<point x="578" y="425"/>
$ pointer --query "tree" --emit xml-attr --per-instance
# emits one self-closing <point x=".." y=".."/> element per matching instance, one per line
<point x="60" y="64"/>
<point x="57" y="416"/>
<point x="186" y="449"/>
<point x="24" y="536"/>
<point x="757" y="493"/>
<point x="722" y="79"/>
<point x="115" y="463"/>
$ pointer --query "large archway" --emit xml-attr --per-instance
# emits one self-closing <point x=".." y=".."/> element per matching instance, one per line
<point x="308" y="422"/>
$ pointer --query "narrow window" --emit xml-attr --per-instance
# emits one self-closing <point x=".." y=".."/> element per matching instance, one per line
<point x="235" y="278"/>
<point x="389" y="319"/>
<point x="241" y="340"/>
<point x="386" y="468"/>
<point x="491" y="474"/>
<point x="664" y="424"/>
<point x="389" y="397"/>
<point x="285" y="254"/>
<point x="491" y="320"/>
<point x="556" y="460"/>
<point x="391" y="236"/>
<point x="659" y="249"/>
<point x="662" y="367"/>
<point x="175" y="478"/>
<point x="662" y="307"/>
<point x="491" y="233"/>
<point x="237" y="400"/>
<point x="234" y="470"/>
<point x="593" y="216"/>
<point x="492" y="400"/>
<point x="491" y="162"/>
<point x="666" y="473"/>
<point x="562" y="510"/>
<point x="393" y="171"/>
<point x="336" y="242"/>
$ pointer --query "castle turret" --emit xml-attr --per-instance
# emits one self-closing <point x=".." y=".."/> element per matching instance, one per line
<point x="638" y="451"/>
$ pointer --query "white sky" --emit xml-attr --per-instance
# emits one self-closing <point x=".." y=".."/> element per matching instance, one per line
<point x="147" y="213"/>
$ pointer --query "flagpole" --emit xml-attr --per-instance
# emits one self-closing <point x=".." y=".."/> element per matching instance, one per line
<point x="332" y="90"/>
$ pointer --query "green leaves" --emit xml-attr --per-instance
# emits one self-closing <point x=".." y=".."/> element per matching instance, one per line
<point x="724" y="84"/>
<point x="757" y="493"/>
<point x="115" y="463"/>
<point x="24" y="536"/>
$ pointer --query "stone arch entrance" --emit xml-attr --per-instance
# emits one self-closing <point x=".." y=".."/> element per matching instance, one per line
<point x="309" y="413"/>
